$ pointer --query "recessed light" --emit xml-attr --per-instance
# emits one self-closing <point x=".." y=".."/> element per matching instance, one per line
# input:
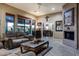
<point x="37" y="12"/>
<point x="53" y="8"/>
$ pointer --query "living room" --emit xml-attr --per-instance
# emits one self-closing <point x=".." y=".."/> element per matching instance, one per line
<point x="50" y="29"/>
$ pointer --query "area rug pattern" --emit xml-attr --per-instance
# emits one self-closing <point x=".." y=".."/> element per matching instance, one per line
<point x="32" y="54"/>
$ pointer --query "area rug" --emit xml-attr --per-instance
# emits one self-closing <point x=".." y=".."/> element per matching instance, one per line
<point x="32" y="54"/>
<point x="45" y="51"/>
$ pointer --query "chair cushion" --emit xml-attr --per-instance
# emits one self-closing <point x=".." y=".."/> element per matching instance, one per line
<point x="17" y="40"/>
<point x="20" y="40"/>
<point x="10" y="34"/>
<point x="19" y="34"/>
<point x="25" y="39"/>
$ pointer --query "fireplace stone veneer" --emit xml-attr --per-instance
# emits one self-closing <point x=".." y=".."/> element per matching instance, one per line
<point x="69" y="38"/>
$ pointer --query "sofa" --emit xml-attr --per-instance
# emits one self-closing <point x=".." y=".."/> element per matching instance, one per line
<point x="3" y="52"/>
<point x="14" y="39"/>
<point x="1" y="45"/>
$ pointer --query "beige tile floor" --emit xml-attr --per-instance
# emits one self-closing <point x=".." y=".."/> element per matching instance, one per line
<point x="59" y="49"/>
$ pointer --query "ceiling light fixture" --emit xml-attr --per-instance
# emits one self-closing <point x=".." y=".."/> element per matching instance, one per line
<point x="38" y="8"/>
<point x="37" y="12"/>
<point x="53" y="8"/>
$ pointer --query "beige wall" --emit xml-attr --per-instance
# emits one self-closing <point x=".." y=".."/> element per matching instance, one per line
<point x="52" y="19"/>
<point x="8" y="9"/>
<point x="71" y="43"/>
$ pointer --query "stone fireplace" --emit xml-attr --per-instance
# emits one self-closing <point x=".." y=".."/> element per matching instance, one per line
<point x="69" y="35"/>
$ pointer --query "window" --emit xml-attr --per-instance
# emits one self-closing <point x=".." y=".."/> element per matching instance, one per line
<point x="20" y="25"/>
<point x="28" y="26"/>
<point x="24" y="25"/>
<point x="9" y="22"/>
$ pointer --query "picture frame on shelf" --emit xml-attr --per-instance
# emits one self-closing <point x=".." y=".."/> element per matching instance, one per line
<point x="69" y="17"/>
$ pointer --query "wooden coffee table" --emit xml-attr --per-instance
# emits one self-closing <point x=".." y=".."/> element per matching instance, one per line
<point x="36" y="48"/>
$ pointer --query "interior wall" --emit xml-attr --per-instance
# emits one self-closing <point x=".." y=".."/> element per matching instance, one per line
<point x="8" y="9"/>
<point x="78" y="25"/>
<point x="73" y="28"/>
<point x="52" y="19"/>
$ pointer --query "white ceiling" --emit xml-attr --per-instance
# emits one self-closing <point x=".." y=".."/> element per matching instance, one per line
<point x="32" y="8"/>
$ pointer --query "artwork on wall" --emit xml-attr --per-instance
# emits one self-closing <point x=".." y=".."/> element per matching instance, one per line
<point x="59" y="26"/>
<point x="38" y="26"/>
<point x="69" y="17"/>
<point x="39" y="23"/>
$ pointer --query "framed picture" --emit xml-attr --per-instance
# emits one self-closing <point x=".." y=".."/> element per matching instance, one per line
<point x="69" y="17"/>
<point x="39" y="24"/>
<point x="59" y="26"/>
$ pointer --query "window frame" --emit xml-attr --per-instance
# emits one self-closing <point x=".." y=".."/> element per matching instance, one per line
<point x="10" y="14"/>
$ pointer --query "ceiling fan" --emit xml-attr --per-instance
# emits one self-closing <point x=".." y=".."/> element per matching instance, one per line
<point x="38" y="7"/>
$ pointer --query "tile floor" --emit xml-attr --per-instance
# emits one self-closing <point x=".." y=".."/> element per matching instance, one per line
<point x="59" y="49"/>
